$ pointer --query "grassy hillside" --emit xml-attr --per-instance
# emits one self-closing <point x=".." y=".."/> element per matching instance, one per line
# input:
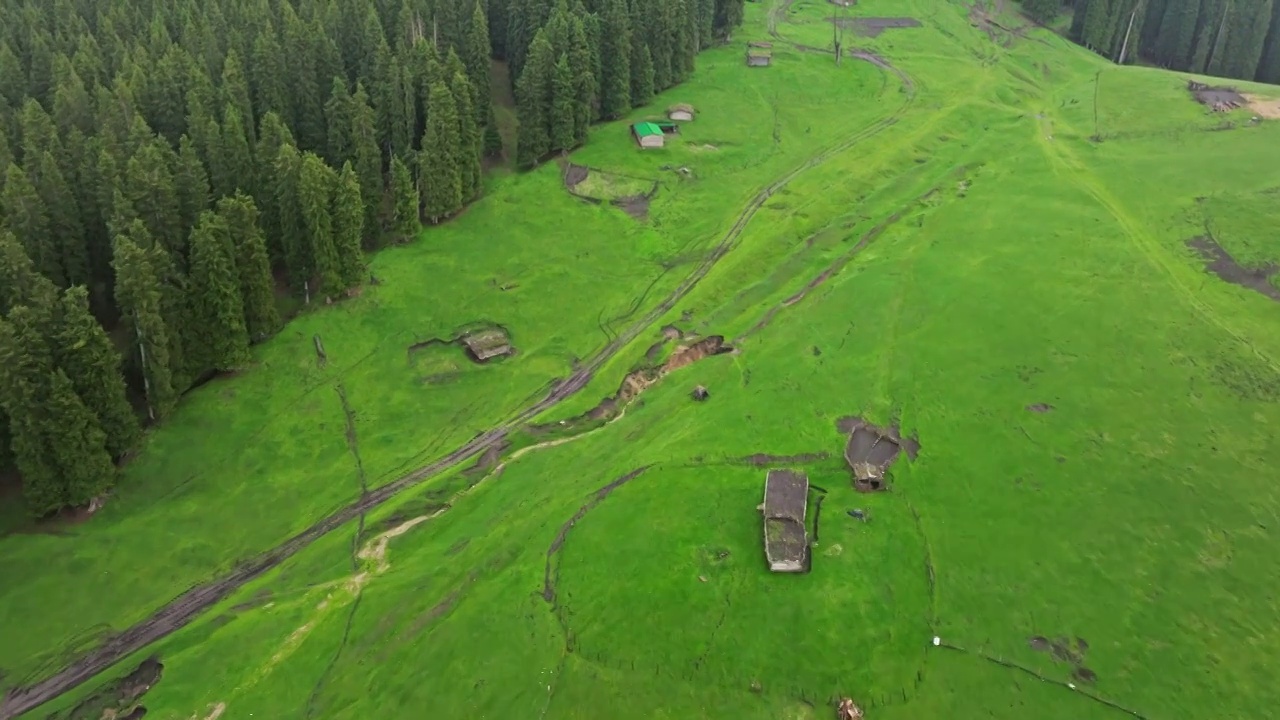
<point x="982" y="239"/>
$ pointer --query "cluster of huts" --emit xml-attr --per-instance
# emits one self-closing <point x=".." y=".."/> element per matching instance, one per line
<point x="869" y="452"/>
<point x="653" y="133"/>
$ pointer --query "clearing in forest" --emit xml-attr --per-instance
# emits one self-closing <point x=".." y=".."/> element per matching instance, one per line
<point x="980" y="246"/>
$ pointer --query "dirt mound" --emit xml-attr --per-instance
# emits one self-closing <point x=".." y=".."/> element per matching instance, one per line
<point x="1219" y="262"/>
<point x="1263" y="107"/>
<point x="873" y="26"/>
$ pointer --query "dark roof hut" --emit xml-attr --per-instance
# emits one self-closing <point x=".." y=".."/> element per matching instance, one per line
<point x="484" y="345"/>
<point x="870" y="451"/>
<point x="786" y="498"/>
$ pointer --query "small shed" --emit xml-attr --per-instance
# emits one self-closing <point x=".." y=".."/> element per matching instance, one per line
<point x="786" y="498"/>
<point x="485" y="345"/>
<point x="680" y="112"/>
<point x="648" y="135"/>
<point x="759" y="54"/>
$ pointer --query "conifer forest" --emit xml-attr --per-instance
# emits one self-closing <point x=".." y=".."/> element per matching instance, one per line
<point x="173" y="174"/>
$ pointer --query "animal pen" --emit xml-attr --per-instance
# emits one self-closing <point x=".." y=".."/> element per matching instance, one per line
<point x="786" y="499"/>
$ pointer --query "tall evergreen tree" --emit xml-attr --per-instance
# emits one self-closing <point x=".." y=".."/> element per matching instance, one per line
<point x="299" y="257"/>
<point x="367" y="158"/>
<point x="237" y="164"/>
<point x="316" y="183"/>
<point x="339" y="114"/>
<point x="139" y="296"/>
<point x="533" y="100"/>
<point x="642" y="74"/>
<point x="407" y="221"/>
<point x="615" y="51"/>
<point x="83" y="350"/>
<point x="192" y="182"/>
<point x="470" y="138"/>
<point x="253" y="265"/>
<point x="26" y="216"/>
<point x="150" y="188"/>
<point x="76" y="443"/>
<point x="563" y="99"/>
<point x="348" y="228"/>
<point x="235" y="93"/>
<point x="217" y="306"/>
<point x="64" y="218"/>
<point x="439" y="172"/>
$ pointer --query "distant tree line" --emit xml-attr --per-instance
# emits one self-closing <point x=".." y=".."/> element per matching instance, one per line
<point x="167" y="168"/>
<point x="1226" y="38"/>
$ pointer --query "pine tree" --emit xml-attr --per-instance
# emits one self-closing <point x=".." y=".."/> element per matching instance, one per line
<point x="25" y="367"/>
<point x="348" y="228"/>
<point x="1243" y="51"/>
<point x="83" y="350"/>
<point x="235" y="92"/>
<point x="471" y="142"/>
<point x="439" y="172"/>
<point x="316" y="183"/>
<point x="408" y="219"/>
<point x="64" y="218"/>
<point x="339" y="116"/>
<point x="138" y="294"/>
<point x="192" y="183"/>
<point x="217" y="306"/>
<point x="237" y="159"/>
<point x="533" y="102"/>
<point x="268" y="74"/>
<point x="76" y="443"/>
<point x="299" y="258"/>
<point x="253" y="265"/>
<point x="20" y="282"/>
<point x="563" y="98"/>
<point x="25" y="215"/>
<point x="642" y="74"/>
<point x="476" y="51"/>
<point x="615" y="51"/>
<point x="150" y="188"/>
<point x="1269" y="63"/>
<point x="367" y="158"/>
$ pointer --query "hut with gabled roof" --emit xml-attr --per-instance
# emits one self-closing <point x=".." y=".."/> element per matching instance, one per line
<point x="484" y="345"/>
<point x="786" y="499"/>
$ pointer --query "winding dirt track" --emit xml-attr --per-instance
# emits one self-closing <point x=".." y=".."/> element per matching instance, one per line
<point x="184" y="609"/>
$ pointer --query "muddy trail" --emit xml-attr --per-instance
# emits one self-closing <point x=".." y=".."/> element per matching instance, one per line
<point x="184" y="609"/>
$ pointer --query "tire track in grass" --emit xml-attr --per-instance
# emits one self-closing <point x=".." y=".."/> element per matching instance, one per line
<point x="184" y="609"/>
<point x="1083" y="178"/>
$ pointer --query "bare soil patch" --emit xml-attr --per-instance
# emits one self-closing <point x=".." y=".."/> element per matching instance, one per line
<point x="873" y="26"/>
<point x="118" y="699"/>
<point x="574" y="174"/>
<point x="1040" y="407"/>
<point x="1263" y="107"/>
<point x="1218" y="99"/>
<point x="637" y="206"/>
<point x="1219" y="262"/>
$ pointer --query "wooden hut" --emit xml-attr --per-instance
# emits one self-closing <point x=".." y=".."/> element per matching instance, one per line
<point x="759" y="54"/>
<point x="648" y="135"/>
<point x="485" y="345"/>
<point x="680" y="112"/>
<point x="786" y="498"/>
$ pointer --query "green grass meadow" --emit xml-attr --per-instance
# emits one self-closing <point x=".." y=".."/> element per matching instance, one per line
<point x="1009" y="230"/>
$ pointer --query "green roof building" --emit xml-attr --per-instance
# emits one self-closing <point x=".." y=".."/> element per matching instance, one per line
<point x="648" y="135"/>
